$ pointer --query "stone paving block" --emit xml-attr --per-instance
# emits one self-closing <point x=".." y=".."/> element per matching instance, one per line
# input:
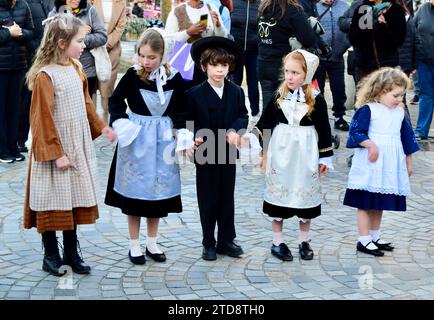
<point x="158" y="293"/>
<point x="188" y="296"/>
<point x="343" y="290"/>
<point x="112" y="294"/>
<point x="18" y="295"/>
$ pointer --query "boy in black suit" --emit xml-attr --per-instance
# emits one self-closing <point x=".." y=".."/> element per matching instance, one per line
<point x="217" y="124"/>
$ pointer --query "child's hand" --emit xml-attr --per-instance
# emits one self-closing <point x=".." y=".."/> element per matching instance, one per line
<point x="323" y="169"/>
<point x="109" y="133"/>
<point x="409" y="162"/>
<point x="233" y="138"/>
<point x="197" y="143"/>
<point x="63" y="163"/>
<point x="373" y="152"/>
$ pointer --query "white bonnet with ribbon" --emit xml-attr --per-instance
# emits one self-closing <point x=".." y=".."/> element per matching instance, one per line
<point x="168" y="43"/>
<point x="159" y="75"/>
<point x="312" y="63"/>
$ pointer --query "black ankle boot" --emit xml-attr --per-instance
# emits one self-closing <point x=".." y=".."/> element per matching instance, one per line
<point x="70" y="253"/>
<point x="52" y="261"/>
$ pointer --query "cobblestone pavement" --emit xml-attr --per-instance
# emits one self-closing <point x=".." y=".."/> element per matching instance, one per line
<point x="336" y="272"/>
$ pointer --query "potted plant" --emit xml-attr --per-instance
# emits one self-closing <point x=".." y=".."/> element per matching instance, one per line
<point x="135" y="27"/>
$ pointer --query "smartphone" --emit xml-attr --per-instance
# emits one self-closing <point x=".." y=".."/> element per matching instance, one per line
<point x="204" y="19"/>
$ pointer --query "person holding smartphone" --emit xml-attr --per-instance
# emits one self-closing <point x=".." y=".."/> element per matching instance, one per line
<point x="191" y="21"/>
<point x="16" y="30"/>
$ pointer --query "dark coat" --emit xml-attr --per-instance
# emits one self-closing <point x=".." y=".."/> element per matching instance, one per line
<point x="424" y="26"/>
<point x="97" y="38"/>
<point x="239" y="23"/>
<point x="227" y="113"/>
<point x="39" y="10"/>
<point x="13" y="51"/>
<point x="407" y="52"/>
<point x="274" y="33"/>
<point x="384" y="38"/>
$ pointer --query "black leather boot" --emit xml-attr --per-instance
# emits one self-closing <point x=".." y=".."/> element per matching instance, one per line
<point x="70" y="253"/>
<point x="52" y="261"/>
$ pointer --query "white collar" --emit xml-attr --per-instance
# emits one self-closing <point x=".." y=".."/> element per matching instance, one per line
<point x="160" y="77"/>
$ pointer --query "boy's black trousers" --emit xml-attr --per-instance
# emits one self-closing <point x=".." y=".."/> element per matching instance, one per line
<point x="215" y="185"/>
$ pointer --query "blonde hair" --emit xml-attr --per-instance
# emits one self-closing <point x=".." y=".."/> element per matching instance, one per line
<point x="155" y="41"/>
<point x="60" y="27"/>
<point x="379" y="82"/>
<point x="283" y="90"/>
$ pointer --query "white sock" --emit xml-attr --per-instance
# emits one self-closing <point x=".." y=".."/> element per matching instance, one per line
<point x="135" y="248"/>
<point x="151" y="245"/>
<point x="364" y="240"/>
<point x="376" y="234"/>
<point x="304" y="236"/>
<point x="277" y="237"/>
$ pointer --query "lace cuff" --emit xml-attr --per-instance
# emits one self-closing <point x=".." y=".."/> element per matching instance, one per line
<point x="184" y="140"/>
<point x="126" y="131"/>
<point x="328" y="162"/>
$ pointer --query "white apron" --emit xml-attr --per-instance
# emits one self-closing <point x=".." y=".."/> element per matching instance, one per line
<point x="292" y="178"/>
<point x="387" y="175"/>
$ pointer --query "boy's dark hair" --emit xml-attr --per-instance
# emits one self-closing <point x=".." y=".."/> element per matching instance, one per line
<point x="214" y="56"/>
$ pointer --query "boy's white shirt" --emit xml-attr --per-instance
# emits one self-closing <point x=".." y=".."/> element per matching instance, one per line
<point x="218" y="90"/>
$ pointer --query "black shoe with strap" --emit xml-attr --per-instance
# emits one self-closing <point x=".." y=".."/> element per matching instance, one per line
<point x="375" y="252"/>
<point x="70" y="253"/>
<point x="52" y="262"/>
<point x="384" y="246"/>
<point x="281" y="252"/>
<point x="305" y="251"/>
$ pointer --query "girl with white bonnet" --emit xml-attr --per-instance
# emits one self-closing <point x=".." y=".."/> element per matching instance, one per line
<point x="300" y="149"/>
<point x="144" y="179"/>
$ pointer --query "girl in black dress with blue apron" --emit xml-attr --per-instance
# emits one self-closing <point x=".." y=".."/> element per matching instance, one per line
<point x="144" y="177"/>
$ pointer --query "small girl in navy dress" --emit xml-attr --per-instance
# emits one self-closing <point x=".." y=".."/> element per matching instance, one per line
<point x="382" y="163"/>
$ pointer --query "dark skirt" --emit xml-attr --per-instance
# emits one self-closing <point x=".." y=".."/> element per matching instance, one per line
<point x="284" y="212"/>
<point x="138" y="207"/>
<point x="366" y="200"/>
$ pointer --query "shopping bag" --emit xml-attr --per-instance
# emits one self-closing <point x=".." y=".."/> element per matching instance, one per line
<point x="103" y="65"/>
<point x="181" y="60"/>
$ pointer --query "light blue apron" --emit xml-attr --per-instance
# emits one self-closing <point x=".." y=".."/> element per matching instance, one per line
<point x="146" y="169"/>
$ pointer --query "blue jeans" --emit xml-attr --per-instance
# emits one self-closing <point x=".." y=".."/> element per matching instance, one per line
<point x="425" y="74"/>
<point x="250" y="61"/>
